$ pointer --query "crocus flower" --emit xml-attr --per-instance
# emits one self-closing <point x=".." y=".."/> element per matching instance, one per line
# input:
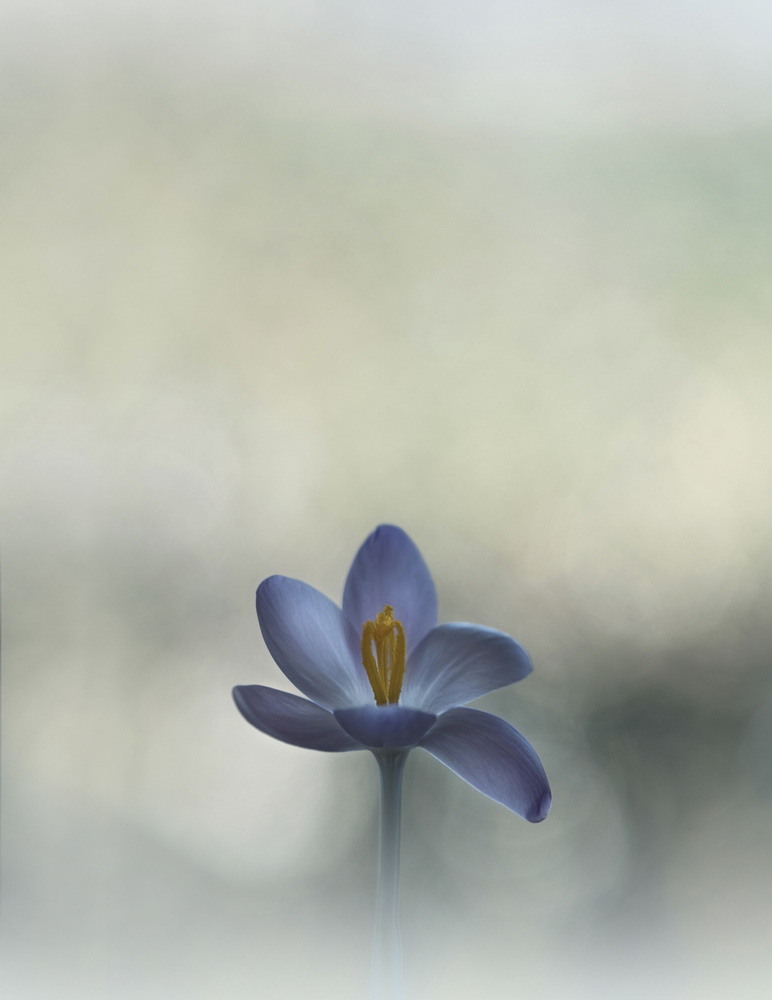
<point x="381" y="674"/>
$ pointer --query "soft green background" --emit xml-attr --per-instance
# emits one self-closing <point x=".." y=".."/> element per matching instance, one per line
<point x="272" y="274"/>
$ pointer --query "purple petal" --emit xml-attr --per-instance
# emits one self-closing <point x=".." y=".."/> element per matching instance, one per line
<point x="457" y="662"/>
<point x="385" y="725"/>
<point x="311" y="641"/>
<point x="291" y="719"/>
<point x="389" y="569"/>
<point x="491" y="755"/>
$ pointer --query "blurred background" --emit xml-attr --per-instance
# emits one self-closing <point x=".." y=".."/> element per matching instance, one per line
<point x="273" y="273"/>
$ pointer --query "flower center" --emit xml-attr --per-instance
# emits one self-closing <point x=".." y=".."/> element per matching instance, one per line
<point x="386" y="668"/>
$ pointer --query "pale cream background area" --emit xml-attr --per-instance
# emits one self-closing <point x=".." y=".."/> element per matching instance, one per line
<point x="274" y="273"/>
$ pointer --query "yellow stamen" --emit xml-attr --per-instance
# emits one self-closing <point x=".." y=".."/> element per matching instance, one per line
<point x="386" y="669"/>
<point x="368" y="636"/>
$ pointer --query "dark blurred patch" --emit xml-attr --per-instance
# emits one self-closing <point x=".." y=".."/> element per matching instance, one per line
<point x="667" y="756"/>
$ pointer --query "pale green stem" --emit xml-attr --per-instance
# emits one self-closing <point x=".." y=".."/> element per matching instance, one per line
<point x="387" y="952"/>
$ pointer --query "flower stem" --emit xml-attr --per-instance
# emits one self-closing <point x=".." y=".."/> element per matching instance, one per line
<point x="387" y="952"/>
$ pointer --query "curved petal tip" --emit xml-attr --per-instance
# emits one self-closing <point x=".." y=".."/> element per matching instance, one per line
<point x="493" y="757"/>
<point x="541" y="809"/>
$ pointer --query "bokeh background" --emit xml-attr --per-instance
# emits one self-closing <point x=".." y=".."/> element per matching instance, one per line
<point x="273" y="273"/>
